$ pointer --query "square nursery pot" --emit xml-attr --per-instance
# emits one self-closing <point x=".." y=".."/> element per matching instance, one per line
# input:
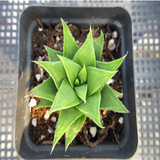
<point x="82" y="17"/>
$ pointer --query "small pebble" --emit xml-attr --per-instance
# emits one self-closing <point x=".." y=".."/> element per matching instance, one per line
<point x="40" y="58"/>
<point x="42" y="137"/>
<point x="53" y="119"/>
<point x="32" y="102"/>
<point x="77" y="41"/>
<point x="42" y="72"/>
<point x="111" y="81"/>
<point x="114" y="34"/>
<point x="104" y="112"/>
<point x="34" y="122"/>
<point x="103" y="59"/>
<point x="49" y="130"/>
<point x="44" y="80"/>
<point x="93" y="131"/>
<point x="46" y="116"/>
<point x="120" y="120"/>
<point x="57" y="39"/>
<point x="120" y="96"/>
<point x="105" y="35"/>
<point x="38" y="77"/>
<point x="111" y="45"/>
<point x="40" y="29"/>
<point x="55" y="46"/>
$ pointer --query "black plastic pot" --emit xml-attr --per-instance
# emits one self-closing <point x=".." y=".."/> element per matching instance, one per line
<point x="82" y="17"/>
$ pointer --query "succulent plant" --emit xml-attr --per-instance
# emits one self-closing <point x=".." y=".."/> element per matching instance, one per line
<point x="77" y="86"/>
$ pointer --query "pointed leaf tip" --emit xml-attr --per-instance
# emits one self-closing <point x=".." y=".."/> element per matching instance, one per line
<point x="98" y="46"/>
<point x="91" y="108"/>
<point x="97" y="78"/>
<point x="83" y="74"/>
<point x="69" y="45"/>
<point x="44" y="103"/>
<point x="73" y="130"/>
<point x="46" y="90"/>
<point x="81" y="92"/>
<point x="110" y="66"/>
<point x="52" y="54"/>
<point x="65" y="97"/>
<point x="86" y="55"/>
<point x="55" y="69"/>
<point x="66" y="118"/>
<point x="109" y="101"/>
<point x="117" y="94"/>
<point x="72" y="69"/>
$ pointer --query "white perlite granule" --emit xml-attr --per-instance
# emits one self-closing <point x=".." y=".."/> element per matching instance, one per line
<point x="120" y="120"/>
<point x="49" y="130"/>
<point x="42" y="137"/>
<point x="93" y="131"/>
<point x="53" y="119"/>
<point x="34" y="122"/>
<point x="44" y="80"/>
<point x="40" y="29"/>
<point x="42" y="72"/>
<point x="32" y="102"/>
<point x="114" y="34"/>
<point x="57" y="39"/>
<point x="111" y="81"/>
<point x="38" y="77"/>
<point x="55" y="46"/>
<point x="111" y="45"/>
<point x="39" y="58"/>
<point x="77" y="41"/>
<point x="46" y="116"/>
<point x="120" y="96"/>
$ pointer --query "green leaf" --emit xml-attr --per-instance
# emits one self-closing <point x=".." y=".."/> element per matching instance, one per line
<point x="91" y="108"/>
<point x="52" y="54"/>
<point x="83" y="74"/>
<point x="77" y="82"/>
<point x="65" y="120"/>
<point x="44" y="103"/>
<point x="110" y="66"/>
<point x="98" y="46"/>
<point x="97" y="78"/>
<point x="70" y="47"/>
<point x="117" y="94"/>
<point x="47" y="57"/>
<point x="81" y="91"/>
<point x="110" y="102"/>
<point x="72" y="69"/>
<point x="46" y="90"/>
<point x="55" y="69"/>
<point x="65" y="98"/>
<point x="73" y="130"/>
<point x="85" y="55"/>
